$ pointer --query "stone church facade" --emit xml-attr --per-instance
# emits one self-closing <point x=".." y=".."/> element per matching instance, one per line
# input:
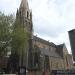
<point x="42" y="56"/>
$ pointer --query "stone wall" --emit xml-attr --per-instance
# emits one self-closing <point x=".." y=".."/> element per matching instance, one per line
<point x="56" y="63"/>
<point x="34" y="73"/>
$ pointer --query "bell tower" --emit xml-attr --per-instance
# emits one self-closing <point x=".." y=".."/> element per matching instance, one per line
<point x="25" y="16"/>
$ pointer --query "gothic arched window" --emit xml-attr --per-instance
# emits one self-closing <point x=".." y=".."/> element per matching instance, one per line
<point x="27" y="14"/>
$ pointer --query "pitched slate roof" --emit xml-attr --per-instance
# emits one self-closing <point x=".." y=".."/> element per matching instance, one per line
<point x="50" y="53"/>
<point x="43" y="41"/>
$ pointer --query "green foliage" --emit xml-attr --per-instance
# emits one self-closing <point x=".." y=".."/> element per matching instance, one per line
<point x="13" y="35"/>
<point x="19" y="37"/>
<point x="5" y="23"/>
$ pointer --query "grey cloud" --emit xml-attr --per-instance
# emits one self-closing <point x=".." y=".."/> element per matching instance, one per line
<point x="44" y="27"/>
<point x="51" y="18"/>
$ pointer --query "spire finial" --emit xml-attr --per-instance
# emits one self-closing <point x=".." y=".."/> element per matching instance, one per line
<point x="24" y="4"/>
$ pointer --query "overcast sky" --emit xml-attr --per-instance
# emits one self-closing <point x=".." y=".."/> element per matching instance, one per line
<point x="52" y="19"/>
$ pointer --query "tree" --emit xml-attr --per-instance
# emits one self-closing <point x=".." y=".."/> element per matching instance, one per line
<point x="19" y="42"/>
<point x="19" y="37"/>
<point x="6" y="22"/>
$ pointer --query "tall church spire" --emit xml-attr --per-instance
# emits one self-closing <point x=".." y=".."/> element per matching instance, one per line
<point x="25" y="15"/>
<point x="24" y="4"/>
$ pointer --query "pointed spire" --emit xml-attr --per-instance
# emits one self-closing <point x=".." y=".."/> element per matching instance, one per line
<point x="24" y="4"/>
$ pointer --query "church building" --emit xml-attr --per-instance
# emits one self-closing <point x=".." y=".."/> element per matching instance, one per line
<point x="41" y="56"/>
